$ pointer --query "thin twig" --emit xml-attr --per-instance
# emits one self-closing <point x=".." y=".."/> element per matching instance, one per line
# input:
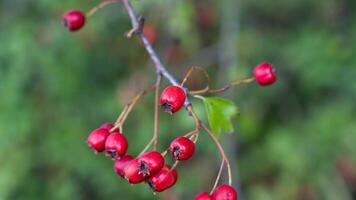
<point x="155" y="129"/>
<point x="152" y="53"/>
<point x="160" y="69"/>
<point x="146" y="147"/>
<point x="154" y="139"/>
<point x="99" y="6"/>
<point x="222" y="152"/>
<point x="187" y="76"/>
<point x="121" y="119"/>
<point x="209" y="90"/>
<point x="174" y="165"/>
<point x="218" y="176"/>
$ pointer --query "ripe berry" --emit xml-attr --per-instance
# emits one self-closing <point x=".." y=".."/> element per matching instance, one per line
<point x="172" y="98"/>
<point x="163" y="179"/>
<point x="74" y="20"/>
<point x="107" y="126"/>
<point x="150" y="163"/>
<point x="116" y="145"/>
<point x="264" y="74"/>
<point x="121" y="163"/>
<point x="96" y="140"/>
<point x="182" y="148"/>
<point x="131" y="172"/>
<point x="203" y="196"/>
<point x="224" y="192"/>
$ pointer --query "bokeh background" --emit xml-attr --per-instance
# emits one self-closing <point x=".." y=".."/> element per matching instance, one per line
<point x="293" y="140"/>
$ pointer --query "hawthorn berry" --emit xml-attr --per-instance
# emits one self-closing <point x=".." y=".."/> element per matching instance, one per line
<point x="74" y="20"/>
<point x="97" y="138"/>
<point x="264" y="74"/>
<point x="132" y="172"/>
<point x="182" y="148"/>
<point x="107" y="126"/>
<point x="150" y="163"/>
<point x="116" y="145"/>
<point x="121" y="163"/>
<point x="202" y="196"/>
<point x="172" y="98"/>
<point x="163" y="179"/>
<point x="224" y="192"/>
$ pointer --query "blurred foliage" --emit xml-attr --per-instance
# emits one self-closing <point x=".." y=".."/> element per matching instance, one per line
<point x="296" y="139"/>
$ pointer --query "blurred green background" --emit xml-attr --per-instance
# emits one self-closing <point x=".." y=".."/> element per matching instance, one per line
<point x="294" y="140"/>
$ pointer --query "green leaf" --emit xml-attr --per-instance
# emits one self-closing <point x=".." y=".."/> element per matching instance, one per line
<point x="220" y="112"/>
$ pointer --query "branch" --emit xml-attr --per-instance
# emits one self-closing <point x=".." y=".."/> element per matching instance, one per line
<point x="152" y="53"/>
<point x="100" y="6"/>
<point x="222" y="152"/>
<point x="155" y="131"/>
<point x="209" y="90"/>
<point x="160" y="68"/>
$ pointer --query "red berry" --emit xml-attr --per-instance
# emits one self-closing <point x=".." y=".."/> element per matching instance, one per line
<point x="264" y="74"/>
<point x="150" y="163"/>
<point x="172" y="98"/>
<point x="224" y="192"/>
<point x="74" y="20"/>
<point x="131" y="172"/>
<point x="163" y="180"/>
<point x="107" y="126"/>
<point x="151" y="33"/>
<point x="121" y="163"/>
<point x="182" y="148"/>
<point x="116" y="145"/>
<point x="203" y="196"/>
<point x="97" y="138"/>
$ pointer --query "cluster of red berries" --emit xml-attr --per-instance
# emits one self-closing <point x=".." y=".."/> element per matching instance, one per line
<point x="149" y="167"/>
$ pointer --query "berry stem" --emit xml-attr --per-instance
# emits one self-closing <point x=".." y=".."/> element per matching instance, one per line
<point x="209" y="90"/>
<point x="121" y="119"/>
<point x="222" y="152"/>
<point x="191" y="70"/>
<point x="154" y="139"/>
<point x="195" y="117"/>
<point x="174" y="165"/>
<point x="191" y="133"/>
<point x="155" y="131"/>
<point x="218" y="176"/>
<point x="99" y="6"/>
<point x="146" y="147"/>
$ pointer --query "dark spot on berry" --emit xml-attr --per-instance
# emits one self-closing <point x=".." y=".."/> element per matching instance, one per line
<point x="176" y="152"/>
<point x="144" y="169"/>
<point x="112" y="154"/>
<point x="65" y="23"/>
<point x="167" y="107"/>
<point x="153" y="188"/>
